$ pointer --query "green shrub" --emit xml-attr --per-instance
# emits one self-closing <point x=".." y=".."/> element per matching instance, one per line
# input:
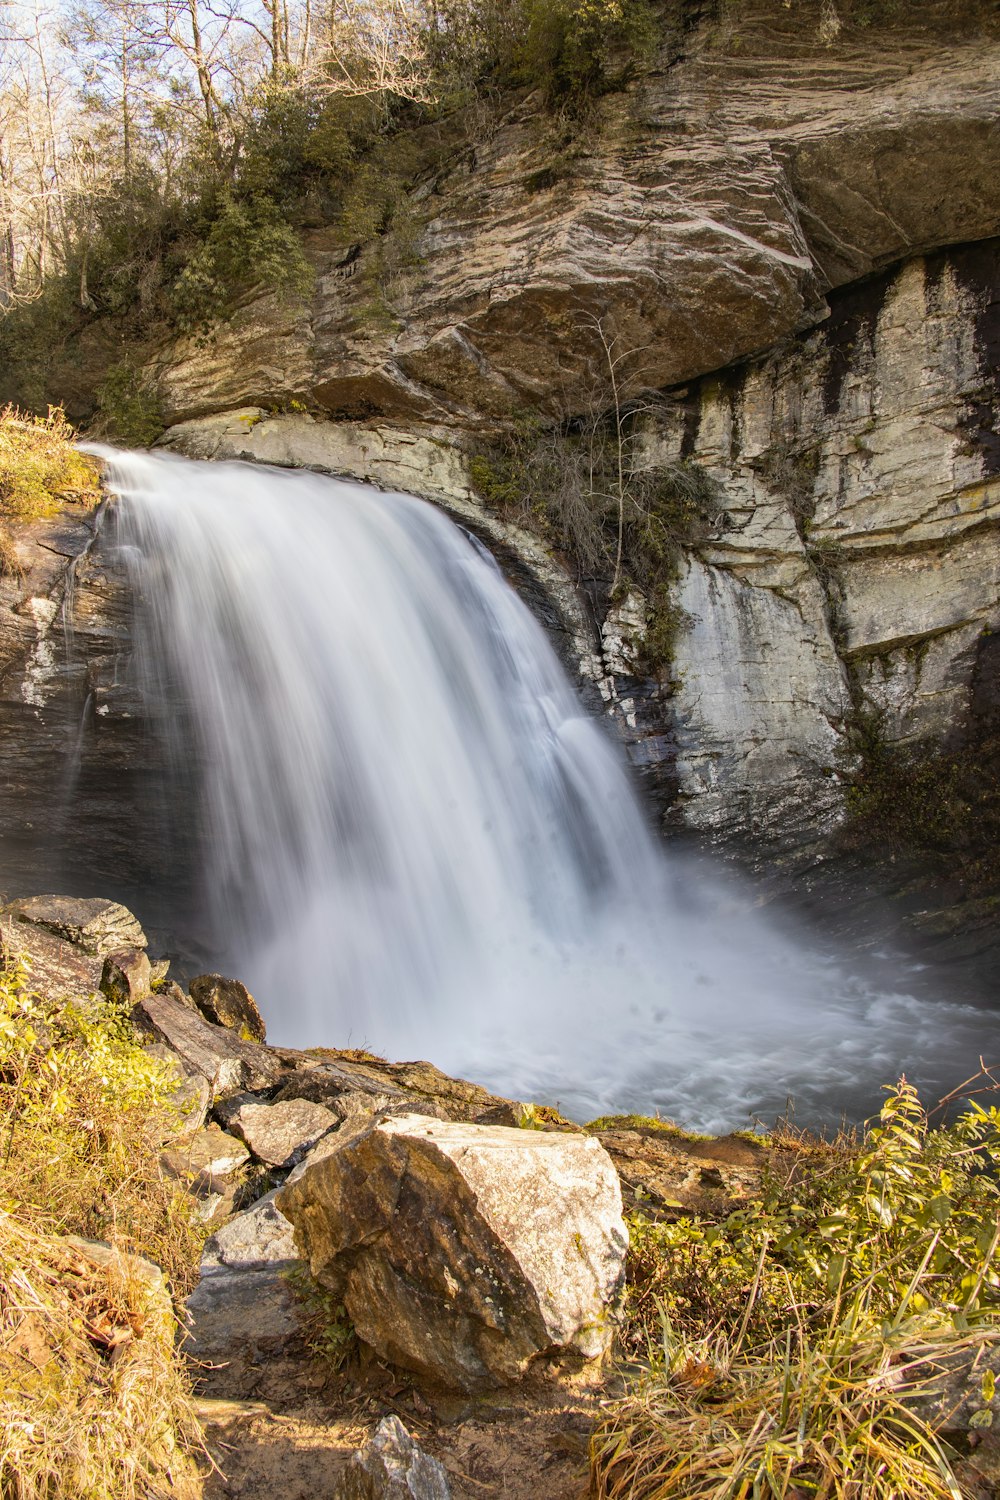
<point x="904" y="1221"/>
<point x="576" y="49"/>
<point x="246" y="246"/>
<point x="129" y="406"/>
<point x="779" y="1344"/>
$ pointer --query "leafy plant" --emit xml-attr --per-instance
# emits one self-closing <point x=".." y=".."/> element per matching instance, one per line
<point x="246" y="245"/>
<point x="329" y="1332"/>
<point x="780" y="1344"/>
<point x="39" y="466"/>
<point x="129" y="406"/>
<point x="82" y="1107"/>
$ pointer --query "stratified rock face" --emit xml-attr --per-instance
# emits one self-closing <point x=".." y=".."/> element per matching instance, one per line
<point x="464" y="1252"/>
<point x="858" y="566"/>
<point x="749" y="195"/>
<point x="769" y="186"/>
<point x="705" y="220"/>
<point x="854" y="567"/>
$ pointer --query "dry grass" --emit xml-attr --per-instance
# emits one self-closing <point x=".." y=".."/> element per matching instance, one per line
<point x="824" y="1417"/>
<point x="40" y="469"/>
<point x="93" y="1402"/>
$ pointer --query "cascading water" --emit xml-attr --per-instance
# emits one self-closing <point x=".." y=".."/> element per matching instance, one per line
<point x="415" y="840"/>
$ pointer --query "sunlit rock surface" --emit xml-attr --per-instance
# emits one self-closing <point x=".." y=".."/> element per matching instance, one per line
<point x="721" y="198"/>
<point x="774" y="203"/>
<point x="464" y="1252"/>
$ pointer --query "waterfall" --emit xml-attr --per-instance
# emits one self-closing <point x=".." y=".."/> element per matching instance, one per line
<point x="414" y="839"/>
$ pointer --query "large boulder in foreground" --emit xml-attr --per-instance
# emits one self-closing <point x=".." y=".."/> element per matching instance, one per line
<point x="464" y="1252"/>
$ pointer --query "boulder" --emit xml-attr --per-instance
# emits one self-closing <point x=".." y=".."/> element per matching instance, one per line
<point x="126" y="977"/>
<point x="392" y="1466"/>
<point x="278" y="1134"/>
<point x="228" y="1002"/>
<point x="229" y="1063"/>
<point x="205" y="1160"/>
<point x="57" y="970"/>
<point x="417" y="1086"/>
<point x="465" y="1252"/>
<point x="95" y="925"/>
<point x="261" y="1236"/>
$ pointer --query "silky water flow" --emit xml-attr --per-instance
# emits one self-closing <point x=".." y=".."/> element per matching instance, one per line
<point x="417" y="841"/>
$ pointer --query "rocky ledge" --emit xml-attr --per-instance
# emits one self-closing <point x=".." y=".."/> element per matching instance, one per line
<point x="470" y="1248"/>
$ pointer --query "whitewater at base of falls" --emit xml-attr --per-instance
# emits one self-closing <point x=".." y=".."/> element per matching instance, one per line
<point x="414" y="839"/>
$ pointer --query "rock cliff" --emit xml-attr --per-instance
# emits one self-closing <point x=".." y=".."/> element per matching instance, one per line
<point x="773" y="231"/>
<point x="781" y="234"/>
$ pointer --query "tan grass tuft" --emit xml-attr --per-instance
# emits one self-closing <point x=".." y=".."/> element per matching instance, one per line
<point x="93" y="1400"/>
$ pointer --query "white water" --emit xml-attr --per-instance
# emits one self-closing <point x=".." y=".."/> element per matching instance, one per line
<point x="417" y="841"/>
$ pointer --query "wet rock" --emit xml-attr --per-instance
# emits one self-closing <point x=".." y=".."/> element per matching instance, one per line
<point x="392" y="1466"/>
<point x="328" y="1083"/>
<point x="126" y="977"/>
<point x="278" y="1134"/>
<point x="419" y="1086"/>
<point x="225" y="1060"/>
<point x="464" y="1252"/>
<point x="228" y="1002"/>
<point x="354" y="1105"/>
<point x="95" y="925"/>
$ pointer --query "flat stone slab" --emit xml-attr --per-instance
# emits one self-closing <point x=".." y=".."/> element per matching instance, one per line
<point x="229" y="1063"/>
<point x="279" y="1134"/>
<point x="240" y="1315"/>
